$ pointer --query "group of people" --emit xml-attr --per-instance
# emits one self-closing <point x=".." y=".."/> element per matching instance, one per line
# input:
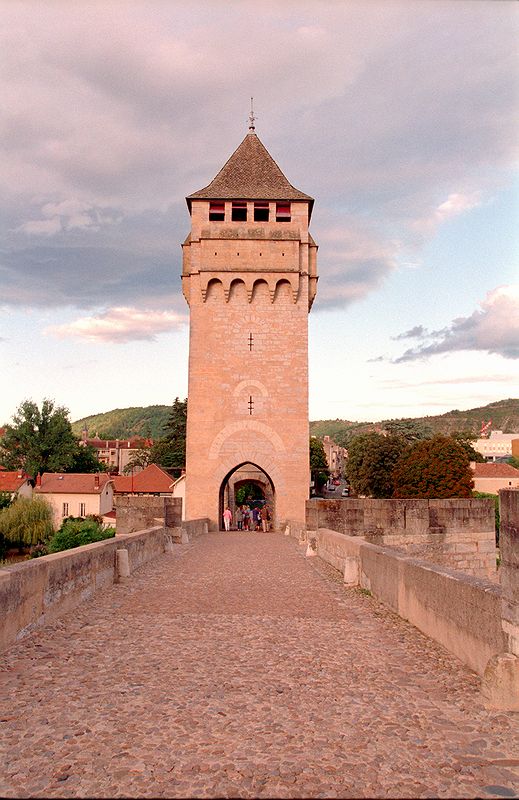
<point x="247" y="518"/>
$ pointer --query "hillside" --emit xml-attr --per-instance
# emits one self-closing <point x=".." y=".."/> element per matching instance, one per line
<point x="122" y="423"/>
<point x="150" y="421"/>
<point x="503" y="413"/>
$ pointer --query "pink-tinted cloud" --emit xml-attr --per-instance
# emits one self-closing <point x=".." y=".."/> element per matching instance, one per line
<point x="121" y="325"/>
<point x="494" y="328"/>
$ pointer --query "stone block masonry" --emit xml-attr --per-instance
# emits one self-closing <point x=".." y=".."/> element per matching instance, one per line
<point x="456" y="533"/>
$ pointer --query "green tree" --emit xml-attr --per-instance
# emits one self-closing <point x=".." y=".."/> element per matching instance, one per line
<point x="38" y="440"/>
<point x="27" y="522"/>
<point x="170" y="450"/>
<point x="318" y="464"/>
<point x="371" y="460"/>
<point x="435" y="468"/>
<point x="139" y="460"/>
<point x="85" y="460"/>
<point x="513" y="461"/>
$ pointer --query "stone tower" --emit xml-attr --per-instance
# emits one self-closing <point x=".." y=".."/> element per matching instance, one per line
<point x="249" y="277"/>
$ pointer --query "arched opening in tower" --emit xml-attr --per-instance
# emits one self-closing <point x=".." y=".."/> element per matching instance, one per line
<point x="247" y="485"/>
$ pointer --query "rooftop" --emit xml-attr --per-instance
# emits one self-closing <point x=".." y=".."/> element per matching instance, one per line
<point x="495" y="470"/>
<point x="72" y="483"/>
<point x="11" y="481"/>
<point x="250" y="174"/>
<point x="151" y="480"/>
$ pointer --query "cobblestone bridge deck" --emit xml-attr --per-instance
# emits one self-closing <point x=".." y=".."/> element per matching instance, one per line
<point x="235" y="667"/>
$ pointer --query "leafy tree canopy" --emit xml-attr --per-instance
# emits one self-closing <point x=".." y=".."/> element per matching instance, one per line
<point x="371" y="460"/>
<point x="318" y="463"/>
<point x="85" y="460"/>
<point x="39" y="441"/>
<point x="170" y="450"/>
<point x="139" y="460"/>
<point x="465" y="439"/>
<point x="435" y="468"/>
<point x="27" y="521"/>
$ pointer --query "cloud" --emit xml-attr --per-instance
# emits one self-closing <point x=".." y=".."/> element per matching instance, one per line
<point x="67" y="215"/>
<point x="112" y="113"/>
<point x="418" y="332"/>
<point x="121" y="325"/>
<point x="492" y="329"/>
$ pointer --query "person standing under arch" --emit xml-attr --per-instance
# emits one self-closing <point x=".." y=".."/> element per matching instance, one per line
<point x="227" y="519"/>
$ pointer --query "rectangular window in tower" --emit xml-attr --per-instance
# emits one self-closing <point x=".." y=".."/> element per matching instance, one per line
<point x="251" y="341"/>
<point x="239" y="211"/>
<point x="283" y="212"/>
<point x="216" y="211"/>
<point x="251" y="405"/>
<point x="261" y="211"/>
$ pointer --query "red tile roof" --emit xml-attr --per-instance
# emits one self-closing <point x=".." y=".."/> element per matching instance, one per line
<point x="11" y="481"/>
<point x="152" y="479"/>
<point x="72" y="483"/>
<point x="492" y="470"/>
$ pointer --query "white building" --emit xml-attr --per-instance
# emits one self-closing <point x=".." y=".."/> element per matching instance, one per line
<point x="497" y="446"/>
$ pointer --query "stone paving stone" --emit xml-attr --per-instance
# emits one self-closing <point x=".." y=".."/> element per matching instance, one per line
<point x="235" y="667"/>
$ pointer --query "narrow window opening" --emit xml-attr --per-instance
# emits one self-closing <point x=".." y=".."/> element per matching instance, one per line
<point x="82" y="509"/>
<point x="251" y="405"/>
<point x="251" y="341"/>
<point x="65" y="510"/>
<point x="216" y="211"/>
<point x="283" y="212"/>
<point x="239" y="211"/>
<point x="261" y="211"/>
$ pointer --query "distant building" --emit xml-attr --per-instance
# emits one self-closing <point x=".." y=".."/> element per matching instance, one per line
<point x="493" y="477"/>
<point x="76" y="494"/>
<point x="497" y="446"/>
<point x="116" y="453"/>
<point x="16" y="483"/>
<point x="335" y="455"/>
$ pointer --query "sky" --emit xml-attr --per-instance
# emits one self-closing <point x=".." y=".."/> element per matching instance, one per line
<point x="399" y="118"/>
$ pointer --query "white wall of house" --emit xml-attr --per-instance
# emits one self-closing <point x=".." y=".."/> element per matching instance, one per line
<point x="80" y="505"/>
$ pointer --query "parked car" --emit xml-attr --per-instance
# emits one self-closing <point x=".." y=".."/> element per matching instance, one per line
<point x="336" y="482"/>
<point x="331" y="488"/>
<point x="346" y="492"/>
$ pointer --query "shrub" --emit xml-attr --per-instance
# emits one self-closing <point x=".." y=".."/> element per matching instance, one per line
<point x="76" y="532"/>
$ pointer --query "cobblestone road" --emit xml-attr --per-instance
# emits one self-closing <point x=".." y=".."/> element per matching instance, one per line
<point x="235" y="667"/>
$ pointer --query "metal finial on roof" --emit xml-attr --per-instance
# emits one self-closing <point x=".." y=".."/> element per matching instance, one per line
<point x="252" y="118"/>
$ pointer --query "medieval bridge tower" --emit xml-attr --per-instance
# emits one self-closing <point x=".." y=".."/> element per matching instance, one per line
<point x="249" y="277"/>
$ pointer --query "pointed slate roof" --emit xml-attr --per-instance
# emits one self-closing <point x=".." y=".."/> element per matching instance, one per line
<point x="250" y="174"/>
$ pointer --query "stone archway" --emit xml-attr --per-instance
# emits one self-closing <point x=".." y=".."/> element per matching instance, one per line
<point x="243" y="474"/>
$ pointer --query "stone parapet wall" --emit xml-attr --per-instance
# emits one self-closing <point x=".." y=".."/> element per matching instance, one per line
<point x="456" y="533"/>
<point x="195" y="527"/>
<point x="139" y="513"/>
<point x="461" y="612"/>
<point x="35" y="592"/>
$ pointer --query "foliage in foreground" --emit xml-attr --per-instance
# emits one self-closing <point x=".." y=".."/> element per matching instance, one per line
<point x="27" y="522"/>
<point x="75" y="532"/>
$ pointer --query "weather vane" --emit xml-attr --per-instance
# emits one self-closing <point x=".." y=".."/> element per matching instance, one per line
<point x="252" y="118"/>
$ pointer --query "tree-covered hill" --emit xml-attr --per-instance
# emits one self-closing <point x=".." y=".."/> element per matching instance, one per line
<point x="151" y="420"/>
<point x="503" y="413"/>
<point x="121" y="423"/>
